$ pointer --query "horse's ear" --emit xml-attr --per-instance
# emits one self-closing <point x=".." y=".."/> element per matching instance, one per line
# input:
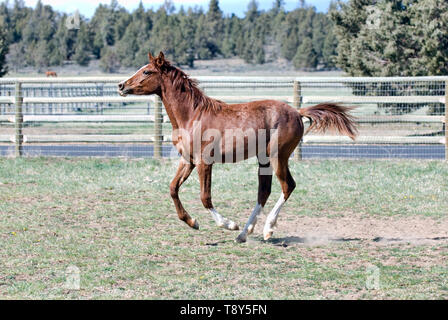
<point x="160" y="60"/>
<point x="150" y="57"/>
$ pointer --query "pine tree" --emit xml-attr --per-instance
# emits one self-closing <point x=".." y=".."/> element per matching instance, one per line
<point x="209" y="34"/>
<point x="231" y="30"/>
<point x="185" y="49"/>
<point x="374" y="38"/>
<point x="82" y="46"/>
<point x="433" y="36"/>
<point x="329" y="52"/>
<point x="128" y="46"/>
<point x="277" y="7"/>
<point x="110" y="61"/>
<point x="16" y="56"/>
<point x="3" y="53"/>
<point x="5" y="22"/>
<point x="306" y="57"/>
<point x="39" y="36"/>
<point x="258" y="52"/>
<point x="38" y="55"/>
<point x="393" y="38"/>
<point x="204" y="48"/>
<point x="330" y="43"/>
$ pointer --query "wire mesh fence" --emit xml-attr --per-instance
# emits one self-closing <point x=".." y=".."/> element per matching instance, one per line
<point x="397" y="117"/>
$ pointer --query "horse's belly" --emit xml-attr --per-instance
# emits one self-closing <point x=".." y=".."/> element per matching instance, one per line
<point x="222" y="149"/>
<point x="237" y="149"/>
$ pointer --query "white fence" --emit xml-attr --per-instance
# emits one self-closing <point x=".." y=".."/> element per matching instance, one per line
<point x="391" y="111"/>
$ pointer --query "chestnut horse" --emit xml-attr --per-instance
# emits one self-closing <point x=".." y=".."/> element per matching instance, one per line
<point x="200" y="134"/>
<point x="51" y="73"/>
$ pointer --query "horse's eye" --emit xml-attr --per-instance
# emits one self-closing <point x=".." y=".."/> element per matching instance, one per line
<point x="147" y="73"/>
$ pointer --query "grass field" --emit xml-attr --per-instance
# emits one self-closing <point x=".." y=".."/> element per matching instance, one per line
<point x="114" y="220"/>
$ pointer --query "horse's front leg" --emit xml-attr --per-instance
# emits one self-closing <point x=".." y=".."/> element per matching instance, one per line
<point x="183" y="172"/>
<point x="205" y="179"/>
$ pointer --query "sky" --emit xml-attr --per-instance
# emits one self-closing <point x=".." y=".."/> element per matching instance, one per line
<point x="87" y="7"/>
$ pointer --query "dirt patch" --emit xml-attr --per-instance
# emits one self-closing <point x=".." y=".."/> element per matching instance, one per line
<point x="356" y="227"/>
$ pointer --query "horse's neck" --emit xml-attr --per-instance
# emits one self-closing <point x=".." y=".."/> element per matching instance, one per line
<point x="178" y="109"/>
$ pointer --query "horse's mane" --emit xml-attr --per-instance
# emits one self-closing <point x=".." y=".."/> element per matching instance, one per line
<point x="190" y="88"/>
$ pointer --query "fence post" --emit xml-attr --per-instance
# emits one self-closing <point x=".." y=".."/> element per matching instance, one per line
<point x="296" y="103"/>
<point x="446" y="120"/>
<point x="158" y="135"/>
<point x="18" y="120"/>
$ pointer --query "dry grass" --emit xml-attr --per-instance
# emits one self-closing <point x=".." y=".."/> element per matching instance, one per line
<point x="114" y="220"/>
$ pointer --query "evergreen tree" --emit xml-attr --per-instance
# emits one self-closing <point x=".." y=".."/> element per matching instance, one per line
<point x="5" y="22"/>
<point x="330" y="44"/>
<point x="3" y="53"/>
<point x="433" y="36"/>
<point x="250" y="45"/>
<point x="39" y="37"/>
<point x="16" y="56"/>
<point x="82" y="46"/>
<point x="185" y="49"/>
<point x="110" y="61"/>
<point x="128" y="46"/>
<point x="65" y="40"/>
<point x="329" y="52"/>
<point x="375" y="40"/>
<point x="306" y="57"/>
<point x="319" y="34"/>
<point x="393" y="38"/>
<point x="204" y="48"/>
<point x="103" y="25"/>
<point x="38" y="55"/>
<point x="293" y="30"/>
<point x="231" y="30"/>
<point x="258" y="52"/>
<point x="277" y="7"/>
<point x="214" y="27"/>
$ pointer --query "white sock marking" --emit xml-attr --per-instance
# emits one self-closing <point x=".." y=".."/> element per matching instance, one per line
<point x="271" y="220"/>
<point x="223" y="222"/>
<point x="250" y="225"/>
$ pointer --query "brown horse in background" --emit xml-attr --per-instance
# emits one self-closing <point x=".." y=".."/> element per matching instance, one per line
<point x="51" y="73"/>
<point x="208" y="131"/>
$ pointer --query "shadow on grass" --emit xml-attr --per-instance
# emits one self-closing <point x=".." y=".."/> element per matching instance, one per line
<point x="286" y="241"/>
<point x="291" y="240"/>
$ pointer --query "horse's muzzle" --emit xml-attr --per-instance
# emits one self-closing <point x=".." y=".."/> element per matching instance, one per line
<point x="122" y="91"/>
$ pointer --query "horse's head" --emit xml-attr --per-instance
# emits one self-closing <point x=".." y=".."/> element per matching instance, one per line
<point x="147" y="80"/>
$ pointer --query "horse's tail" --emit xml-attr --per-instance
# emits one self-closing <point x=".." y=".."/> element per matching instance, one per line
<point x="330" y="116"/>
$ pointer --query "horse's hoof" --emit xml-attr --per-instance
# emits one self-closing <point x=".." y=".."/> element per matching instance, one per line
<point x="232" y="226"/>
<point x="267" y="235"/>
<point x="229" y="225"/>
<point x="251" y="228"/>
<point x="195" y="224"/>
<point x="241" y="238"/>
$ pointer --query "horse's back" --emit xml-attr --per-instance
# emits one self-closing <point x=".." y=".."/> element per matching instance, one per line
<point x="247" y="123"/>
<point x="269" y="114"/>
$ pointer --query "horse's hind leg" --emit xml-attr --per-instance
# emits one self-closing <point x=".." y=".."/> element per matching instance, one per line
<point x="183" y="172"/>
<point x="205" y="179"/>
<point x="264" y="190"/>
<point x="287" y="184"/>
